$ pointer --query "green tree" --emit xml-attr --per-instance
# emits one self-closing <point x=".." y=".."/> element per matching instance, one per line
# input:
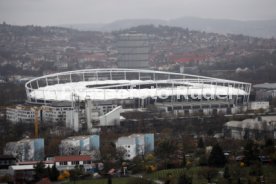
<point x="138" y="165"/>
<point x="203" y="161"/>
<point x="49" y="171"/>
<point x="40" y="170"/>
<point x="200" y="143"/>
<point x="256" y="170"/>
<point x="226" y="173"/>
<point x="77" y="172"/>
<point x="54" y="173"/>
<point x="184" y="161"/>
<point x="108" y="151"/>
<point x="250" y="152"/>
<point x="183" y="179"/>
<point x="208" y="173"/>
<point x="120" y="153"/>
<point x="165" y="150"/>
<point x="217" y="157"/>
<point x="210" y="132"/>
<point x="268" y="148"/>
<point x="269" y="143"/>
<point x="109" y="180"/>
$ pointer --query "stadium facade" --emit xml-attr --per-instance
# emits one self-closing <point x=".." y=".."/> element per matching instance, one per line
<point x="138" y="88"/>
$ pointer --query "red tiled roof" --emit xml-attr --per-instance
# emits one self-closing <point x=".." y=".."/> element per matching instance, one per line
<point x="34" y="162"/>
<point x="72" y="158"/>
<point x="191" y="59"/>
<point x="183" y="60"/>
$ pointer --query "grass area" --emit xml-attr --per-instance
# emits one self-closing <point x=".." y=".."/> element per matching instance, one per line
<point x="198" y="175"/>
<point x="269" y="174"/>
<point x="162" y="174"/>
<point x="101" y="181"/>
<point x="175" y="173"/>
<point x="268" y="171"/>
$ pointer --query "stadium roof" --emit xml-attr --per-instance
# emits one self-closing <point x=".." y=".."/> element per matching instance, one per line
<point x="109" y="84"/>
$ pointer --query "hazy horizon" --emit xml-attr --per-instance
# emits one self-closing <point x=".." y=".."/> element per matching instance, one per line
<point x="60" y="12"/>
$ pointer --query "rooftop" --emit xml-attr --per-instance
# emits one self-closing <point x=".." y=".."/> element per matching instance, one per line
<point x="259" y="123"/>
<point x="72" y="158"/>
<point x="131" y="139"/>
<point x="7" y="157"/>
<point x="81" y="137"/>
<point x="26" y="140"/>
<point x="66" y="92"/>
<point x="61" y="104"/>
<point x="35" y="162"/>
<point x="265" y="86"/>
<point x="116" y="83"/>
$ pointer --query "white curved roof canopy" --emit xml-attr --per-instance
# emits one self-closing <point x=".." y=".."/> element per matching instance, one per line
<point x="108" y="84"/>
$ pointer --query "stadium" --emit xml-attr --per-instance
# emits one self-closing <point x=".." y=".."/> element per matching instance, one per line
<point x="135" y="88"/>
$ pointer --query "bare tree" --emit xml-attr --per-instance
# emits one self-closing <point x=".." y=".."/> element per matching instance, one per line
<point x="121" y="153"/>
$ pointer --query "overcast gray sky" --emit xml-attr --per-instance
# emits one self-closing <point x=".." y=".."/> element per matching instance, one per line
<point x="56" y="12"/>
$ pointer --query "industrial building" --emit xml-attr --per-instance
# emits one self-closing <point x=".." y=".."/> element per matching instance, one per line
<point x="75" y="118"/>
<point x="20" y="113"/>
<point x="136" y="144"/>
<point x="265" y="91"/>
<point x="133" y="51"/>
<point x="80" y="145"/>
<point x="92" y="116"/>
<point x="51" y="113"/>
<point x="258" y="105"/>
<point x="258" y="128"/>
<point x="199" y="107"/>
<point x="26" y="149"/>
<point x="56" y="111"/>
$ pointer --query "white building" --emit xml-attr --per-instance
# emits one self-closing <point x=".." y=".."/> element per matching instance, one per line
<point x="258" y="128"/>
<point x="80" y="145"/>
<point x="111" y="118"/>
<point x="258" y="105"/>
<point x="93" y="116"/>
<point x="26" y="149"/>
<point x="73" y="120"/>
<point x="69" y="162"/>
<point x="136" y="144"/>
<point x="265" y="91"/>
<point x="200" y="107"/>
<point x="54" y="112"/>
<point x="20" y="113"/>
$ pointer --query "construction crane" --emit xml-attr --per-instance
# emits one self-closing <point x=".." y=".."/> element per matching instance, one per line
<point x="36" y="110"/>
<point x="36" y="122"/>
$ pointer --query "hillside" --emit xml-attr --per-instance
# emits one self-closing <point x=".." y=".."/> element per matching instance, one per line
<point x="257" y="28"/>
